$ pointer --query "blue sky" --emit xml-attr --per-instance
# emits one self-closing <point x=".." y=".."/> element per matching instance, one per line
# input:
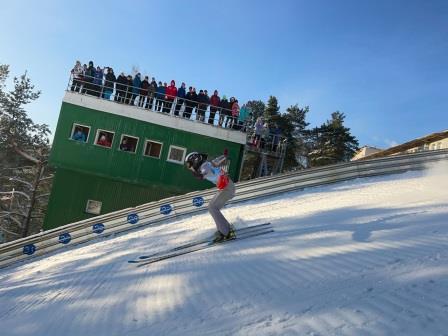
<point x="382" y="63"/>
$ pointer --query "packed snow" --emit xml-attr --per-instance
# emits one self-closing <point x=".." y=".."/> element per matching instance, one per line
<point x="363" y="257"/>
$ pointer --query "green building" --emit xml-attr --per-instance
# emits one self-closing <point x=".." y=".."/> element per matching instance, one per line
<point x="109" y="156"/>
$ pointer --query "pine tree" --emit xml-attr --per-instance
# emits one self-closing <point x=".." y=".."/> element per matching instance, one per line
<point x="297" y="138"/>
<point x="26" y="144"/>
<point x="332" y="142"/>
<point x="272" y="110"/>
<point x="256" y="107"/>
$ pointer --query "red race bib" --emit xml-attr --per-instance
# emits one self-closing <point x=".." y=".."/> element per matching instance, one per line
<point x="222" y="182"/>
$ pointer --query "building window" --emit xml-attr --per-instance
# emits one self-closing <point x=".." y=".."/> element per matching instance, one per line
<point x="80" y="133"/>
<point x="94" y="207"/>
<point x="439" y="145"/>
<point x="128" y="143"/>
<point x="176" y="154"/>
<point x="153" y="149"/>
<point x="104" y="138"/>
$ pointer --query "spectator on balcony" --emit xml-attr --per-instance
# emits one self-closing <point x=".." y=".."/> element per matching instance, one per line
<point x="215" y="101"/>
<point x="189" y="103"/>
<point x="258" y="129"/>
<point x="136" y="85"/>
<point x="144" y="90"/>
<point x="151" y="93"/>
<point x="207" y="100"/>
<point x="120" y="92"/>
<point x="276" y="133"/>
<point x="170" y="95"/>
<point x="77" y="74"/>
<point x="264" y="135"/>
<point x="98" y="82"/>
<point x="160" y="95"/>
<point x="243" y="118"/>
<point x="235" y="114"/>
<point x="224" y="112"/>
<point x="202" y="106"/>
<point x="89" y="75"/>
<point x="229" y="120"/>
<point x="180" y="99"/>
<point x="129" y="84"/>
<point x="109" y="83"/>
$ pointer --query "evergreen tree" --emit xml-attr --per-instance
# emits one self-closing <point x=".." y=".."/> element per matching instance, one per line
<point x="272" y="110"/>
<point x="332" y="142"/>
<point x="257" y="108"/>
<point x="297" y="138"/>
<point x="24" y="143"/>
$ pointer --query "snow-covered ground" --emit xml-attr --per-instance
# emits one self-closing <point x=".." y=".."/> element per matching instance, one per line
<point x="365" y="257"/>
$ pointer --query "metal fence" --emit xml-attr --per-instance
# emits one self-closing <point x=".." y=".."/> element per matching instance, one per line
<point x="157" y="102"/>
<point x="166" y="209"/>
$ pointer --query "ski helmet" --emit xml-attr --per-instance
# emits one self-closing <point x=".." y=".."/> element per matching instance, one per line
<point x="194" y="160"/>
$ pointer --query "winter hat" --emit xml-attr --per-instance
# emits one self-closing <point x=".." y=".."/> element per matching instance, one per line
<point x="224" y="97"/>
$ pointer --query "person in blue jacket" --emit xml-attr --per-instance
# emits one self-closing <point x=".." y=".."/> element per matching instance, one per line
<point x="136" y="86"/>
<point x="79" y="135"/>
<point x="160" y="95"/>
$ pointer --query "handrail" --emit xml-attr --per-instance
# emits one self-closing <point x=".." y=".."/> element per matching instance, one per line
<point x="153" y="102"/>
<point x="160" y="211"/>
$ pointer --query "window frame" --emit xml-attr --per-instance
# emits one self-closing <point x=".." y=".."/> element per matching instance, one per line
<point x="154" y="141"/>
<point x="129" y="136"/>
<point x="73" y="130"/>
<point x="96" y="138"/>
<point x="183" y="156"/>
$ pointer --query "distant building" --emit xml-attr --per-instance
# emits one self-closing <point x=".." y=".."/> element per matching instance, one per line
<point x="365" y="151"/>
<point x="434" y="141"/>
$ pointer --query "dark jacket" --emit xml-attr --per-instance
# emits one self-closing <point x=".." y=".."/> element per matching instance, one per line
<point x="110" y="80"/>
<point x="90" y="74"/>
<point x="225" y="105"/>
<point x="192" y="99"/>
<point x="153" y="87"/>
<point x="202" y="98"/>
<point x="161" y="92"/>
<point x="144" y="88"/>
<point x="181" y="92"/>
<point x="121" y="83"/>
<point x="136" y="83"/>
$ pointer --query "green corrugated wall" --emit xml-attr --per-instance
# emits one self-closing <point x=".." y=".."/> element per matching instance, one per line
<point x="116" y="178"/>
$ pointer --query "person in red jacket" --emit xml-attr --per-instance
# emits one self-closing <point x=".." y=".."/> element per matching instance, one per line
<point x="215" y="101"/>
<point x="170" y="94"/>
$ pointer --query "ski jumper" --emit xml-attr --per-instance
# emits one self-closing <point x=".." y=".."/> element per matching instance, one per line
<point x="213" y="172"/>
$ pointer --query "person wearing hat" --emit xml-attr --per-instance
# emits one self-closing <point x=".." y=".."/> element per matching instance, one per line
<point x="109" y="83"/>
<point x="224" y="111"/>
<point x="215" y="101"/>
<point x="77" y="73"/>
<point x="160" y="95"/>
<point x="144" y="90"/>
<point x="120" y="93"/>
<point x="214" y="172"/>
<point x="170" y="95"/>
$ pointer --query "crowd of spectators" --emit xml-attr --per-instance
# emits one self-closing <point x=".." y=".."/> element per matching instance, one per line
<point x="160" y="97"/>
<point x="178" y="101"/>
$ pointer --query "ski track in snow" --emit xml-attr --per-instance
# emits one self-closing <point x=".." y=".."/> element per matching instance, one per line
<point x="363" y="257"/>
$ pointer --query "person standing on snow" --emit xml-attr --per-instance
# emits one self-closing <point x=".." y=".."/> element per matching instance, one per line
<point x="213" y="172"/>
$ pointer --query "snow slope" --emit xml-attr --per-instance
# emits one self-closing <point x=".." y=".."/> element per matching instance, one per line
<point x="365" y="257"/>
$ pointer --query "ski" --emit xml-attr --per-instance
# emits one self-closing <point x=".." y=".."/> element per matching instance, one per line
<point x="204" y="246"/>
<point x="199" y="242"/>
